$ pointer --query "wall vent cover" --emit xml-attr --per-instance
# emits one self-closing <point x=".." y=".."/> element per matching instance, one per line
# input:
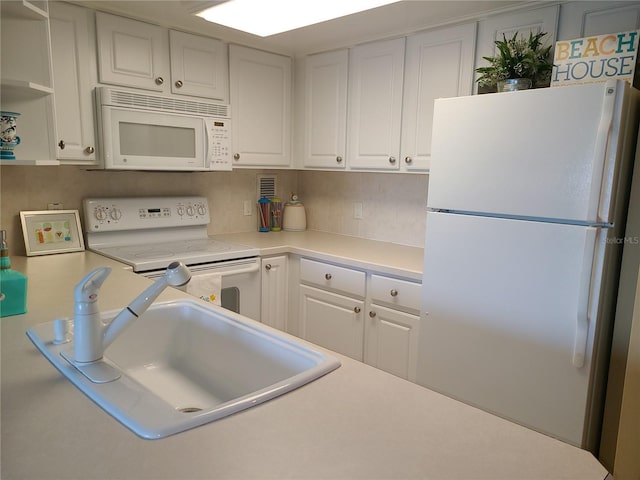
<point x="267" y="186"/>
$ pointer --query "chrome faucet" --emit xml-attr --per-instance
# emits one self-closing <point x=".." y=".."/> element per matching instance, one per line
<point x="91" y="336"/>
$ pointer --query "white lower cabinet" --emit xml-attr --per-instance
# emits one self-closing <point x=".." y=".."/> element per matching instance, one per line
<point x="392" y="325"/>
<point x="332" y="321"/>
<point x="274" y="304"/>
<point x="368" y="317"/>
<point x="332" y="307"/>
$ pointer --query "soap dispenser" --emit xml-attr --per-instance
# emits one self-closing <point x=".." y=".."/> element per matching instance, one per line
<point x="13" y="285"/>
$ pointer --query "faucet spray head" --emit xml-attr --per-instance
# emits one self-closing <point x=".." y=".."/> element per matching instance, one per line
<point x="177" y="274"/>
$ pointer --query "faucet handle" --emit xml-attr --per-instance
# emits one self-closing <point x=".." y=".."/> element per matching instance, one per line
<point x="85" y="293"/>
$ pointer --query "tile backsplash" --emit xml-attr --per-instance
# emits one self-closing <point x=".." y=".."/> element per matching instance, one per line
<point x="393" y="206"/>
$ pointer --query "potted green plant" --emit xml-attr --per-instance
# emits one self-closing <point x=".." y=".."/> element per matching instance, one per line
<point x="521" y="63"/>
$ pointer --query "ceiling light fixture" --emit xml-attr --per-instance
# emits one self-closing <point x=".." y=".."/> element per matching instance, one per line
<point x="264" y="18"/>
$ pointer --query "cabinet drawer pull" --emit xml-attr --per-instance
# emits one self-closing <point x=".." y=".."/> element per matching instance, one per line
<point x="179" y="84"/>
<point x="372" y="314"/>
<point x="61" y="144"/>
<point x="159" y="81"/>
<point x="392" y="160"/>
<point x="327" y="276"/>
<point x="408" y="160"/>
<point x="236" y="156"/>
<point x="394" y="292"/>
<point x="339" y="159"/>
<point x="89" y="150"/>
<point x="267" y="267"/>
<point x="356" y="309"/>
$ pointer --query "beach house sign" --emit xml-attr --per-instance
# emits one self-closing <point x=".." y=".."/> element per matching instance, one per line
<point x="596" y="59"/>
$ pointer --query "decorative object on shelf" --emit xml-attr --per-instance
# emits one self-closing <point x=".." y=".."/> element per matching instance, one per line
<point x="520" y="63"/>
<point x="51" y="231"/>
<point x="8" y="138"/>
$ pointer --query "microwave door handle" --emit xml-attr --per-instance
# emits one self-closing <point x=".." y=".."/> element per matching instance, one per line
<point x="208" y="153"/>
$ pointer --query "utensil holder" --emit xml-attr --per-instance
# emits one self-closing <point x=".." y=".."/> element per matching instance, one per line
<point x="264" y="214"/>
<point x="276" y="214"/>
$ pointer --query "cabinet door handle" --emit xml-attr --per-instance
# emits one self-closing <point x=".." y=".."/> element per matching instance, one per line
<point x="327" y="276"/>
<point x="392" y="160"/>
<point x="159" y="81"/>
<point x="89" y="150"/>
<point x="61" y="144"/>
<point x="236" y="156"/>
<point x="357" y="309"/>
<point x="179" y="84"/>
<point x="372" y="314"/>
<point x="339" y="159"/>
<point x="394" y="292"/>
<point x="267" y="267"/>
<point x="408" y="160"/>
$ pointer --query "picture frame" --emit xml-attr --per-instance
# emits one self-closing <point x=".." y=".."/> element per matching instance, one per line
<point x="48" y="232"/>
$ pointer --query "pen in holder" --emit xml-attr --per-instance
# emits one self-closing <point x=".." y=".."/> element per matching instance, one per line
<point x="263" y="214"/>
<point x="276" y="214"/>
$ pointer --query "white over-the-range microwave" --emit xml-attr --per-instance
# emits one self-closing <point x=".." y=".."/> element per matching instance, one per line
<point x="142" y="131"/>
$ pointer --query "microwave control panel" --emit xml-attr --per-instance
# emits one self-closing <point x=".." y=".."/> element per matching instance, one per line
<point x="113" y="214"/>
<point x="219" y="141"/>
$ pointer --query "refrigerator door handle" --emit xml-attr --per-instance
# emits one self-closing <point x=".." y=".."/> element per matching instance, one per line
<point x="584" y="296"/>
<point x="600" y="149"/>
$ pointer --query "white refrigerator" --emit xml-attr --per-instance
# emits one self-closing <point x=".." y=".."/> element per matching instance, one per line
<point x="525" y="215"/>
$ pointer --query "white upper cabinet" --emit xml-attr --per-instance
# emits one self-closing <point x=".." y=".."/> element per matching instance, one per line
<point x="438" y="64"/>
<point x="132" y="53"/>
<point x="74" y="72"/>
<point x="544" y="19"/>
<point x="260" y="85"/>
<point x="140" y="55"/>
<point x="199" y="66"/>
<point x="325" y="110"/>
<point x="582" y="19"/>
<point x="375" y="105"/>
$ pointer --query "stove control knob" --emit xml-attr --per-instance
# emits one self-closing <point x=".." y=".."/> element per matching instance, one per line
<point x="201" y="210"/>
<point x="100" y="213"/>
<point x="190" y="211"/>
<point x="180" y="211"/>
<point x="115" y="214"/>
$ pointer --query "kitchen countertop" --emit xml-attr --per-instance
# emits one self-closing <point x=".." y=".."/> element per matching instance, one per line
<point x="383" y="257"/>
<point x="357" y="422"/>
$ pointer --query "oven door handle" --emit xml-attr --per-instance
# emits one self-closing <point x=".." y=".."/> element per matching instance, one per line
<point x="250" y="269"/>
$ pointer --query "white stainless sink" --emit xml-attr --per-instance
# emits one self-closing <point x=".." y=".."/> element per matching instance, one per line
<point x="183" y="364"/>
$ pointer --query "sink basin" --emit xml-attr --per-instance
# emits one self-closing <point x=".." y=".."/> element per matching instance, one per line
<point x="183" y="364"/>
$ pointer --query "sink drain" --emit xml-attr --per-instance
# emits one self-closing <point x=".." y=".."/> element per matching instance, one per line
<point x="189" y="409"/>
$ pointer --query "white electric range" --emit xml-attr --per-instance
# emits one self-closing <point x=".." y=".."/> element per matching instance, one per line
<point x="148" y="233"/>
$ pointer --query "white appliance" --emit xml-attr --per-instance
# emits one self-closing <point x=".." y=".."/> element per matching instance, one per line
<point x="526" y="208"/>
<point x="142" y="131"/>
<point x="148" y="233"/>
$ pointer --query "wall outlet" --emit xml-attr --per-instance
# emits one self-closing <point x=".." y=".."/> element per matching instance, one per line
<point x="246" y="208"/>
<point x="357" y="210"/>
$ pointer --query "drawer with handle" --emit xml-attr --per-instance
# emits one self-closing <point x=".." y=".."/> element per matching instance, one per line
<point x="396" y="292"/>
<point x="326" y="275"/>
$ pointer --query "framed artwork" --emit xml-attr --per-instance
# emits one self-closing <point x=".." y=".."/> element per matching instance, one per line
<point x="51" y="231"/>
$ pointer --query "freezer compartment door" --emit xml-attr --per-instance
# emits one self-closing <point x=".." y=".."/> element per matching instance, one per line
<point x="544" y="153"/>
<point x="508" y="318"/>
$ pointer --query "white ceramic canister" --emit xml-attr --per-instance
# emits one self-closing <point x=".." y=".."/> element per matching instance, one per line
<point x="295" y="217"/>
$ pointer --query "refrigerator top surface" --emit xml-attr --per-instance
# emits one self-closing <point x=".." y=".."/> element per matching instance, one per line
<point x="548" y="153"/>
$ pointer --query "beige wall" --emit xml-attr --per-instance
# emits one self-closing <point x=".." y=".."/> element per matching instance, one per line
<point x="393" y="205"/>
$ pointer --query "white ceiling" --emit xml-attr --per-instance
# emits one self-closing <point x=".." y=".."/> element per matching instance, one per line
<point x="391" y="20"/>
